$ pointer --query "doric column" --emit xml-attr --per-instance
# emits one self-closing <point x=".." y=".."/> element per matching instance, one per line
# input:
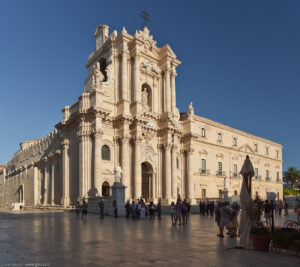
<point x="46" y="185"/>
<point x="173" y="91"/>
<point x="167" y="170"/>
<point x="168" y="90"/>
<point x="124" y="71"/>
<point x="190" y="176"/>
<point x="137" y="168"/>
<point x="52" y="182"/>
<point x="65" y="173"/>
<point x="174" y="177"/>
<point x="125" y="165"/>
<point x="137" y="89"/>
<point x="97" y="160"/>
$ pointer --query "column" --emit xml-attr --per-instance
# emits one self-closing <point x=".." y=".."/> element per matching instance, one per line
<point x="190" y="175"/>
<point x="167" y="171"/>
<point x="65" y="173"/>
<point x="98" y="181"/>
<point x="137" y="169"/>
<point x="137" y="89"/>
<point x="173" y="92"/>
<point x="36" y="185"/>
<point x="174" y="176"/>
<point x="125" y="165"/>
<point x="124" y="72"/>
<point x="82" y="154"/>
<point x="52" y="182"/>
<point x="168" y="91"/>
<point x="46" y="185"/>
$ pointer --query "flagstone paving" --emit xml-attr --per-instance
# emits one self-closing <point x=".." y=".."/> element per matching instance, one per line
<point x="61" y="239"/>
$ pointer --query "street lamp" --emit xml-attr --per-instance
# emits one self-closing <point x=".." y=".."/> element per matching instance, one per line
<point x="272" y="196"/>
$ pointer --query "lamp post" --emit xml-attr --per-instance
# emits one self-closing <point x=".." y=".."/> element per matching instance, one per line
<point x="272" y="196"/>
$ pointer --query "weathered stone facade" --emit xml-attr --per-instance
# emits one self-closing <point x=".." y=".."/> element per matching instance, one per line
<point x="127" y="114"/>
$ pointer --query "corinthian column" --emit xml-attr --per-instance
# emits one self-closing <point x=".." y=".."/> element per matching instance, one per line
<point x="168" y="91"/>
<point x="124" y="71"/>
<point x="137" y="169"/>
<point x="173" y="91"/>
<point x="174" y="178"/>
<point x="65" y="171"/>
<point x="97" y="161"/>
<point x="125" y="165"/>
<point x="168" y="171"/>
<point x="137" y="89"/>
<point x="190" y="176"/>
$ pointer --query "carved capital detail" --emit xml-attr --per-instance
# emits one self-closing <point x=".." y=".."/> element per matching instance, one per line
<point x="65" y="143"/>
<point x="97" y="133"/>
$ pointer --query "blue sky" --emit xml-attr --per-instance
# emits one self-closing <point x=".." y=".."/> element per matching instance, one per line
<point x="240" y="62"/>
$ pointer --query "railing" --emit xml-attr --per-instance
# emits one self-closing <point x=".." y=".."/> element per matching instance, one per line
<point x="218" y="173"/>
<point x="204" y="171"/>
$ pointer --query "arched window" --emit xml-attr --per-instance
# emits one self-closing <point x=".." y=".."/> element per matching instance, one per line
<point x="105" y="189"/>
<point x="103" y="66"/>
<point x="105" y="151"/>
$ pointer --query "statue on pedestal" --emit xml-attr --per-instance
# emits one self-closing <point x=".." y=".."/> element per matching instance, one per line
<point x="191" y="109"/>
<point x="144" y="98"/>
<point x="118" y="173"/>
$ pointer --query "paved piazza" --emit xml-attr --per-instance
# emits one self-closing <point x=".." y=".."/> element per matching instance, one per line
<point x="61" y="239"/>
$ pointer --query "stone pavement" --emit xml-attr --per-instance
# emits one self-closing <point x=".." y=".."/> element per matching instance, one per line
<point x="61" y="239"/>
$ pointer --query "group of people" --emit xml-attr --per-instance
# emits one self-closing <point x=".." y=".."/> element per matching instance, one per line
<point x="277" y="209"/>
<point x="81" y="208"/>
<point x="226" y="216"/>
<point x="207" y="208"/>
<point x="180" y="211"/>
<point x="141" y="210"/>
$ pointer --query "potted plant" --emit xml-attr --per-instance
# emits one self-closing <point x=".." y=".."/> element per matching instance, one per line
<point x="259" y="234"/>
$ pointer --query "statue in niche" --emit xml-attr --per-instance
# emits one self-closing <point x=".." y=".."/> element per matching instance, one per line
<point x="98" y="76"/>
<point x="191" y="109"/>
<point x="118" y="173"/>
<point x="144" y="98"/>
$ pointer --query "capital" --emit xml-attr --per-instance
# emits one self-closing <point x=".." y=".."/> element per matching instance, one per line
<point x="65" y="143"/>
<point x="97" y="133"/>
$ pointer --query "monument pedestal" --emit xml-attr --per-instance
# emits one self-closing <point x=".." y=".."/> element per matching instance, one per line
<point x="118" y="195"/>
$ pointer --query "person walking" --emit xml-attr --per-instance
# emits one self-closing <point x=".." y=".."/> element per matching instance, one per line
<point x="178" y="211"/>
<point x="158" y="208"/>
<point x="101" y="207"/>
<point x="286" y="208"/>
<point x="115" y="206"/>
<point x="173" y="213"/>
<point x="133" y="210"/>
<point x="280" y="207"/>
<point x="84" y="209"/>
<point x="225" y="212"/>
<point x="152" y="210"/>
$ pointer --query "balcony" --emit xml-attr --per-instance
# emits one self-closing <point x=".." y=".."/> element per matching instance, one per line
<point x="257" y="177"/>
<point x="221" y="173"/>
<point x="204" y="171"/>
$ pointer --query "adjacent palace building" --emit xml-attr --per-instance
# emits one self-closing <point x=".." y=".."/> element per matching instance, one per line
<point x="127" y="114"/>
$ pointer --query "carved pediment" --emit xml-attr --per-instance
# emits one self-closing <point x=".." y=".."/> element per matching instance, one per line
<point x="107" y="172"/>
<point x="246" y="148"/>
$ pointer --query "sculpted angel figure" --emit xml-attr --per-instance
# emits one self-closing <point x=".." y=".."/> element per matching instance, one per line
<point x="118" y="173"/>
<point x="191" y="109"/>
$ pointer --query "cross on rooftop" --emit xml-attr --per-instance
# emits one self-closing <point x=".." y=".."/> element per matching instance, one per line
<point x="145" y="16"/>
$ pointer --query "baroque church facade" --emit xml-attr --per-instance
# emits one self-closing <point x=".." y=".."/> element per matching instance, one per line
<point x="127" y="115"/>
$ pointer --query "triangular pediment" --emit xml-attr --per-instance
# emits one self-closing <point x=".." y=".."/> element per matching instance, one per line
<point x="246" y="148"/>
<point x="167" y="51"/>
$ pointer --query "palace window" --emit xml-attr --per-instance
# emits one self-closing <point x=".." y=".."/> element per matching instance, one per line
<point x="105" y="152"/>
<point x="203" y="193"/>
<point x="105" y="189"/>
<point x="203" y="165"/>
<point x="267" y="175"/>
<point x="234" y="141"/>
<point x="219" y="168"/>
<point x="277" y="176"/>
<point x="256" y="173"/>
<point x="219" y="137"/>
<point x="203" y="132"/>
<point x="235" y="170"/>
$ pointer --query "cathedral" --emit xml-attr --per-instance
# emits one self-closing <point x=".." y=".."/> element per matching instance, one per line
<point x="127" y="115"/>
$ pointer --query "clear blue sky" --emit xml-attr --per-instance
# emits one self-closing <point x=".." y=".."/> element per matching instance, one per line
<point x="240" y="62"/>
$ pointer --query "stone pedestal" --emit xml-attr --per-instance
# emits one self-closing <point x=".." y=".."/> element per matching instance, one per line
<point x="118" y="194"/>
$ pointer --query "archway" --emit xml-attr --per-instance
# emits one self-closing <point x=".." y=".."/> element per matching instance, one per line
<point x="147" y="176"/>
<point x="105" y="189"/>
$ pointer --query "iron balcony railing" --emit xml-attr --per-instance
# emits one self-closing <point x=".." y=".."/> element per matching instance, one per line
<point x="204" y="171"/>
<point x="221" y="173"/>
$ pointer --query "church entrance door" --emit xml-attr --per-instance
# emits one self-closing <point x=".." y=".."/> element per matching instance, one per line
<point x="147" y="174"/>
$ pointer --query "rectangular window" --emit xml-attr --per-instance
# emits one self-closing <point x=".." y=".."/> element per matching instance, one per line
<point x="277" y="154"/>
<point x="219" y="137"/>
<point x="203" y="193"/>
<point x="203" y="132"/>
<point x="256" y="173"/>
<point x="277" y="176"/>
<point x="255" y="147"/>
<point x="234" y="141"/>
<point x="267" y="175"/>
<point x="203" y="165"/>
<point x="267" y="151"/>
<point x="235" y="170"/>
<point x="219" y="168"/>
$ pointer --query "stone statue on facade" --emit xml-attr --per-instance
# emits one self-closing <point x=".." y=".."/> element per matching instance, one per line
<point x="118" y="173"/>
<point x="110" y="76"/>
<point x="191" y="109"/>
<point x="98" y="76"/>
<point x="145" y="98"/>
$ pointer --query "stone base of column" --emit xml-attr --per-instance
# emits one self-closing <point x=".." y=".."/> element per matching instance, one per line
<point x="65" y="202"/>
